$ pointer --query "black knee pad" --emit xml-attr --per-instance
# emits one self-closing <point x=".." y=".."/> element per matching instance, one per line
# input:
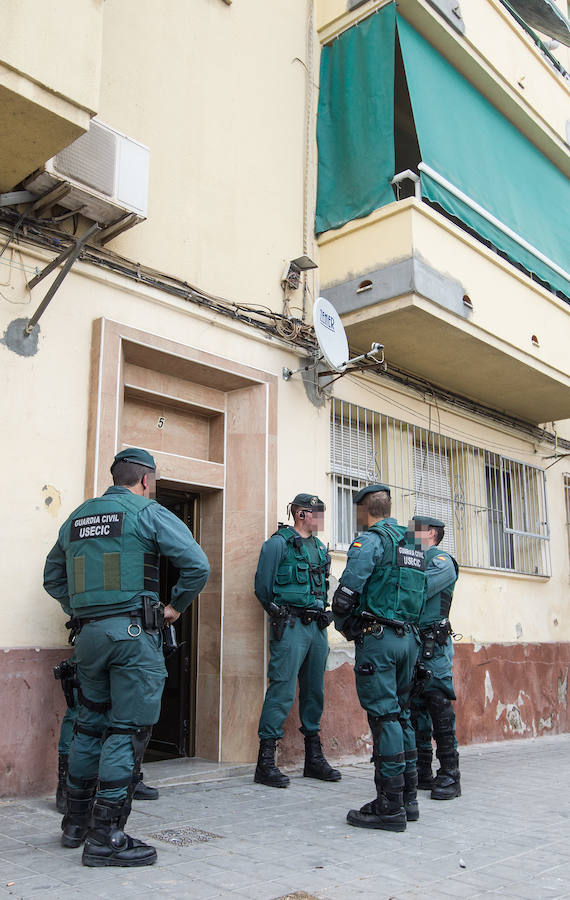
<point x="441" y="712"/>
<point x="140" y="736"/>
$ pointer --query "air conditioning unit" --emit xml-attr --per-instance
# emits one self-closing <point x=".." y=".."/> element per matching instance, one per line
<point x="103" y="175"/>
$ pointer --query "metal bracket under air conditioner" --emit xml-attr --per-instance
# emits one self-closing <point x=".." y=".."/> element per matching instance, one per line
<point x="68" y="257"/>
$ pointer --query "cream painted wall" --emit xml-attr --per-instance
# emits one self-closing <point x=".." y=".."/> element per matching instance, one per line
<point x="224" y="120"/>
<point x="57" y="43"/>
<point x="45" y="404"/>
<point x="218" y="94"/>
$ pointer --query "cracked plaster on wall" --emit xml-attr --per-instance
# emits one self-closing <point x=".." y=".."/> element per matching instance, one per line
<point x="562" y="686"/>
<point x="52" y="499"/>
<point x="489" y="692"/>
<point x="340" y="654"/>
<point x="514" y="721"/>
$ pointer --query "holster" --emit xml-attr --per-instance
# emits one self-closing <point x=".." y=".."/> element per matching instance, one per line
<point x="74" y="627"/>
<point x="420" y="679"/>
<point x="66" y="672"/>
<point x="324" y="619"/>
<point x="152" y="616"/>
<point x="442" y="632"/>
<point x="352" y="628"/>
<point x="278" y="626"/>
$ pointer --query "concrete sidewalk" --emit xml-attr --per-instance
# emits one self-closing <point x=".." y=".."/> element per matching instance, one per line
<point x="507" y="836"/>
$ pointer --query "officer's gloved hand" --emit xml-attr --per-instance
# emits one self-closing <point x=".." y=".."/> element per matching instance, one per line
<point x="352" y="628"/>
<point x="344" y="601"/>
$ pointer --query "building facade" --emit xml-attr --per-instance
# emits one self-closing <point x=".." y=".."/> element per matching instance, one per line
<point x="171" y="167"/>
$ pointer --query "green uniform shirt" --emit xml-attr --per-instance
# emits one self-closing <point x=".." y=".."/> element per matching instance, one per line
<point x="441" y="576"/>
<point x="368" y="551"/>
<point x="166" y="535"/>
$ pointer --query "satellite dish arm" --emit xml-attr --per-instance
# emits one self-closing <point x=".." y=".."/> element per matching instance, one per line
<point x="371" y="355"/>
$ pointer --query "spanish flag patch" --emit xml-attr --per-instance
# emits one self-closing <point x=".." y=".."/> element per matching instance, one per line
<point x="442" y="557"/>
<point x="357" y="544"/>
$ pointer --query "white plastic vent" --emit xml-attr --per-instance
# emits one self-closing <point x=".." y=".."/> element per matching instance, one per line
<point x="106" y="174"/>
<point x="91" y="159"/>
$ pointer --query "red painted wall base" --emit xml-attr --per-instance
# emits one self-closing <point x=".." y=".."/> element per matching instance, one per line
<point x="503" y="691"/>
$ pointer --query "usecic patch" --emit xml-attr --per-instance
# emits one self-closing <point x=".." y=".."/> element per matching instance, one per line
<point x="97" y="526"/>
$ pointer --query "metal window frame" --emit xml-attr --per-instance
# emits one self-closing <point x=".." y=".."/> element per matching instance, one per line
<point x="525" y="467"/>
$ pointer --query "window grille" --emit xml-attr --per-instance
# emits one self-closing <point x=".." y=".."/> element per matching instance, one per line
<point x="494" y="507"/>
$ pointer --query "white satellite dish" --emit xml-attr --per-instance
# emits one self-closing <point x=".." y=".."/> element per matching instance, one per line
<point x="330" y="334"/>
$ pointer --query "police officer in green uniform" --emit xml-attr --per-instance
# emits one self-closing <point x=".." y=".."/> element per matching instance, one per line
<point x="104" y="572"/>
<point x="291" y="584"/>
<point x="142" y="791"/>
<point x="380" y="595"/>
<point x="432" y="710"/>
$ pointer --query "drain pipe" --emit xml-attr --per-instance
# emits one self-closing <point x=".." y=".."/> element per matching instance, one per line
<point x="412" y="176"/>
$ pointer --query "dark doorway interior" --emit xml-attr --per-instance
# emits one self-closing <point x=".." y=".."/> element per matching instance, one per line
<point x="174" y="733"/>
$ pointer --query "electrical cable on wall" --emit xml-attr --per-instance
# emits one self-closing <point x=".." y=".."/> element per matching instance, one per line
<point x="293" y="331"/>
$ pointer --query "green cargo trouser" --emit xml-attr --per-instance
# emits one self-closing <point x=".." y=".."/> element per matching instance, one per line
<point x="384" y="667"/>
<point x="66" y="730"/>
<point x="302" y="653"/>
<point x="441" y="667"/>
<point x="128" y="672"/>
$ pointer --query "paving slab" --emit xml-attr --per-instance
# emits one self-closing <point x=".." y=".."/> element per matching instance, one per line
<point x="220" y="836"/>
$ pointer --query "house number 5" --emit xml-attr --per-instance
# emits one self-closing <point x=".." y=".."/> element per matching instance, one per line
<point x="160" y="423"/>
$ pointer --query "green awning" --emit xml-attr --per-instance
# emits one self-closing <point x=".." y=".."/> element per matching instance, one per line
<point x="474" y="163"/>
<point x="355" y="125"/>
<point x="478" y="167"/>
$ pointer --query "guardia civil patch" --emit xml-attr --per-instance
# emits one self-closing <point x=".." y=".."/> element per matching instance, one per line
<point x="407" y="558"/>
<point x="97" y="526"/>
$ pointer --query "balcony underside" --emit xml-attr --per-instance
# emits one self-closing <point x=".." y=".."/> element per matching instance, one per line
<point x="421" y="339"/>
<point x="34" y="126"/>
<point x="449" y="309"/>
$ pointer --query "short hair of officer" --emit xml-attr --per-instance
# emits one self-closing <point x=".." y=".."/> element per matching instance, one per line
<point x="378" y="505"/>
<point x="127" y="474"/>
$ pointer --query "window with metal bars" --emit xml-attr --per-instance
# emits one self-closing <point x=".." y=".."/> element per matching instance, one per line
<point x="494" y="507"/>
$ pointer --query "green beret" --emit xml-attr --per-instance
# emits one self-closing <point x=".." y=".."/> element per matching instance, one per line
<point x="428" y="522"/>
<point x="135" y="455"/>
<point x="309" y="501"/>
<point x="370" y="489"/>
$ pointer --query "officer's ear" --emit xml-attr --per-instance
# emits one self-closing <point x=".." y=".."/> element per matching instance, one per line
<point x="144" y="482"/>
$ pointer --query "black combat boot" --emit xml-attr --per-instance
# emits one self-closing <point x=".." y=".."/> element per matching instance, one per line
<point x="61" y="792"/>
<point x="411" y="795"/>
<point x="77" y="819"/>
<point x="386" y="812"/>
<point x="144" y="792"/>
<point x="266" y="771"/>
<point x="316" y="765"/>
<point x="447" y="782"/>
<point x="107" y="844"/>
<point x="425" y="775"/>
